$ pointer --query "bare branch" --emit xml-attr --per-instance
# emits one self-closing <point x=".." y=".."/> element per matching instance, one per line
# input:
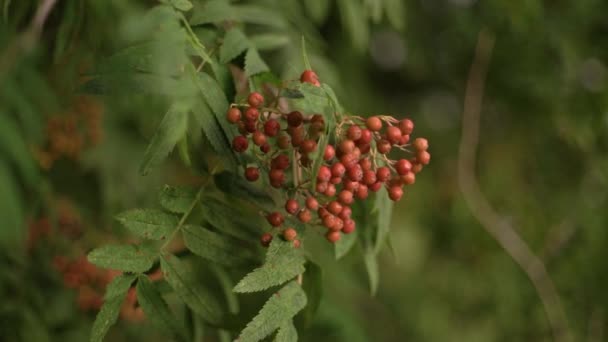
<point x="495" y="225"/>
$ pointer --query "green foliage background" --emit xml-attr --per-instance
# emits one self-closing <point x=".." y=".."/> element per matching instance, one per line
<point x="542" y="160"/>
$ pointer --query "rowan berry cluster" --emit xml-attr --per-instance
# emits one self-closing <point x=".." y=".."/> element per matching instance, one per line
<point x="354" y="163"/>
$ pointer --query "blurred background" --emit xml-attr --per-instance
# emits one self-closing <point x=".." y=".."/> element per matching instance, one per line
<point x="69" y="161"/>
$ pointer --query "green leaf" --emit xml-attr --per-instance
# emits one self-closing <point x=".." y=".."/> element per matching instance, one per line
<point x="119" y="286"/>
<point x="182" y="5"/>
<point x="315" y="100"/>
<point x="287" y="333"/>
<point x="213" y="246"/>
<point x="172" y="128"/>
<point x="345" y="244"/>
<point x="252" y="14"/>
<point x="283" y="262"/>
<point x="114" y="297"/>
<point x="156" y="309"/>
<point x="280" y="308"/>
<point x="126" y="258"/>
<point x="11" y="209"/>
<point x="14" y="148"/>
<point x="253" y="63"/>
<point x="242" y="224"/>
<point x="235" y="42"/>
<point x="312" y="284"/>
<point x="395" y="12"/>
<point x="307" y="65"/>
<point x="371" y="265"/>
<point x="237" y="186"/>
<point x="270" y="41"/>
<point x="333" y="98"/>
<point x="177" y="199"/>
<point x="318" y="10"/>
<point x="213" y="11"/>
<point x="354" y="21"/>
<point x="188" y="290"/>
<point x="205" y="120"/>
<point x="384" y="208"/>
<point x="148" y="223"/>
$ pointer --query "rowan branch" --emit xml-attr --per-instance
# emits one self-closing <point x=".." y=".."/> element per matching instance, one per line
<point x="494" y="224"/>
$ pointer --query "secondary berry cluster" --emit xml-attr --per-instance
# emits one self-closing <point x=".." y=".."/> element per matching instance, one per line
<point x="355" y="162"/>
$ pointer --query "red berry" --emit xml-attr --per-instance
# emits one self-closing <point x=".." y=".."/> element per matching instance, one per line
<point x="374" y="124"/>
<point x="321" y="187"/>
<point x="265" y="148"/>
<point x="355" y="173"/>
<point x="311" y="203"/>
<point x="366" y="137"/>
<point x="277" y="178"/>
<point x="258" y="138"/>
<point x="345" y="213"/>
<point x="347" y="146"/>
<point x="297" y="136"/>
<point x="375" y="187"/>
<point x="338" y="170"/>
<point x="332" y="236"/>
<point x="255" y="99"/>
<point x="383" y="174"/>
<point x="304" y="216"/>
<point x="362" y="191"/>
<point x="395" y="193"/>
<point x="423" y="157"/>
<point x="240" y="143"/>
<point x="280" y="162"/>
<point x="292" y="206"/>
<point x="365" y="148"/>
<point x="366" y="164"/>
<point x="345" y="197"/>
<point x="409" y="178"/>
<point x="308" y="146"/>
<point x="349" y="160"/>
<point x="329" y="221"/>
<point x="322" y="212"/>
<point x="329" y="153"/>
<point x="383" y="146"/>
<point x="403" y="166"/>
<point x="421" y="144"/>
<point x="289" y="234"/>
<point x="283" y="141"/>
<point x="297" y="243"/>
<point x="404" y="139"/>
<point x="233" y="115"/>
<point x="241" y="127"/>
<point x="338" y="225"/>
<point x="406" y="126"/>
<point x="369" y="177"/>
<point x="334" y="207"/>
<point x="393" y="134"/>
<point x="417" y="168"/>
<point x="351" y="185"/>
<point x="272" y="127"/>
<point x="324" y="174"/>
<point x="330" y="191"/>
<point x="294" y="119"/>
<point x="349" y="226"/>
<point x="311" y="77"/>
<point x="252" y="173"/>
<point x="266" y="239"/>
<point x="250" y="126"/>
<point x="335" y="180"/>
<point x="354" y="133"/>
<point x="275" y="219"/>
<point x="252" y="114"/>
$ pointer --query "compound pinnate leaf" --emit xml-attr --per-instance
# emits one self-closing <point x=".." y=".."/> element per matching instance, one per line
<point x="312" y="284"/>
<point x="148" y="223"/>
<point x="171" y="130"/>
<point x="384" y="208"/>
<point x="126" y="258"/>
<point x="119" y="286"/>
<point x="189" y="291"/>
<point x="235" y="42"/>
<point x="213" y="246"/>
<point x="177" y="199"/>
<point x="371" y="265"/>
<point x="287" y="333"/>
<point x="345" y="244"/>
<point x="107" y="316"/>
<point x="213" y="11"/>
<point x="283" y="262"/>
<point x="254" y="64"/>
<point x="182" y="5"/>
<point x="278" y="310"/>
<point x="205" y="120"/>
<point x="156" y="309"/>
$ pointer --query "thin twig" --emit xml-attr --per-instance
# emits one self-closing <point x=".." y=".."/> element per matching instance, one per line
<point x="492" y="222"/>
